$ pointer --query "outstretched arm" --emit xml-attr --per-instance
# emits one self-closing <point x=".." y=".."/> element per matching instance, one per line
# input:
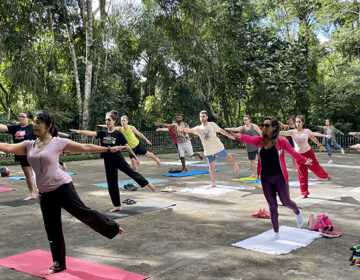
<point x="62" y="134"/>
<point x="185" y="129"/>
<point x="164" y="124"/>
<point x="161" y="129"/>
<point x="316" y="141"/>
<point x="357" y="146"/>
<point x="321" y="135"/>
<point x="84" y="132"/>
<point x="101" y="125"/>
<point x="238" y="129"/>
<point x="138" y="133"/>
<point x="4" y="127"/>
<point x="355" y="134"/>
<point x="286" y="133"/>
<point x="223" y="132"/>
<point x="77" y="148"/>
<point x="286" y="126"/>
<point x="16" y="149"/>
<point x="258" y="130"/>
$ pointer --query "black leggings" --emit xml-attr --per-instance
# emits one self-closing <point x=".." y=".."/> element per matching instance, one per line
<point x="111" y="168"/>
<point x="66" y="197"/>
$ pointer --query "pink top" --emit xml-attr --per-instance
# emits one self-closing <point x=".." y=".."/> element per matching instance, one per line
<point x="45" y="162"/>
<point x="301" y="140"/>
<point x="281" y="145"/>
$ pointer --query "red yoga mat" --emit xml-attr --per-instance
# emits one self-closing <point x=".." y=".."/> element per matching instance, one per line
<point x="37" y="263"/>
<point x="6" y="189"/>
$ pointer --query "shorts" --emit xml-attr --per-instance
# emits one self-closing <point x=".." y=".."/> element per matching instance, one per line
<point x="23" y="161"/>
<point x="221" y="154"/>
<point x="139" y="150"/>
<point x="252" y="155"/>
<point x="185" y="147"/>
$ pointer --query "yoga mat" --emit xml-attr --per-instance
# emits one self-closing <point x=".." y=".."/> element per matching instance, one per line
<point x="37" y="262"/>
<point x="206" y="164"/>
<point x="296" y="184"/>
<point x="248" y="179"/>
<point x="138" y="208"/>
<point x="17" y="178"/>
<point x="290" y="239"/>
<point x="70" y="173"/>
<point x="190" y="173"/>
<point x="125" y="182"/>
<point x="6" y="189"/>
<point x="19" y="202"/>
<point x="218" y="190"/>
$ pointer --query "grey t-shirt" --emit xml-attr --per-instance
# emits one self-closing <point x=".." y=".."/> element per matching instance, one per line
<point x="251" y="132"/>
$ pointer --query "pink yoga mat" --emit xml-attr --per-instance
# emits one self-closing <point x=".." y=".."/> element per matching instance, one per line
<point x="37" y="262"/>
<point x="6" y="189"/>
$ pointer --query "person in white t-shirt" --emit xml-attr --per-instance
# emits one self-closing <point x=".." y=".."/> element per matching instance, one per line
<point x="213" y="147"/>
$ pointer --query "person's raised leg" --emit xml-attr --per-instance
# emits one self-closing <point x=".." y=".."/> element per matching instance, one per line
<point x="233" y="162"/>
<point x="212" y="173"/>
<point x="315" y="167"/>
<point x="151" y="155"/>
<point x="134" y="164"/>
<point x="198" y="155"/>
<point x="29" y="181"/>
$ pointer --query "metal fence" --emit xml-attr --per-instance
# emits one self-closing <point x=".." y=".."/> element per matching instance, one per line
<point x="162" y="142"/>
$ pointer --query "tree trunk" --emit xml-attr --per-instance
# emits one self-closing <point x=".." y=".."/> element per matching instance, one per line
<point x="88" y="64"/>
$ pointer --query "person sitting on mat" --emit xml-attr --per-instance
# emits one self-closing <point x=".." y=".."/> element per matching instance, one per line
<point x="56" y="189"/>
<point x="213" y="147"/>
<point x="23" y="131"/>
<point x="183" y="140"/>
<point x="272" y="168"/>
<point x="129" y="132"/>
<point x="109" y="138"/>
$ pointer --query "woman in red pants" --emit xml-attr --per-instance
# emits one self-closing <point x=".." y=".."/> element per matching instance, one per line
<point x="300" y="136"/>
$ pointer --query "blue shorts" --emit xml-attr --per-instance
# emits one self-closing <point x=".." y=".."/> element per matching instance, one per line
<point x="221" y="154"/>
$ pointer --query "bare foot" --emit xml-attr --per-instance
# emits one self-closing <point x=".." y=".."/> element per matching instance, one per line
<point x="120" y="230"/>
<point x="252" y="176"/>
<point x="184" y="171"/>
<point x="118" y="208"/>
<point x="237" y="170"/>
<point x="213" y="185"/>
<point x="151" y="186"/>
<point x="158" y="162"/>
<point x="30" y="197"/>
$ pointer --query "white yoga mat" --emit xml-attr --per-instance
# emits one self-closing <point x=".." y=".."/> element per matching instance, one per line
<point x="290" y="239"/>
<point x="219" y="189"/>
<point x="296" y="184"/>
<point x="188" y="162"/>
<point x="206" y="164"/>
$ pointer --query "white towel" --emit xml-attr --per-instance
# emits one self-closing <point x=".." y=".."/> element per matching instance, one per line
<point x="290" y="239"/>
<point x="296" y="184"/>
<point x="219" y="189"/>
<point x="179" y="162"/>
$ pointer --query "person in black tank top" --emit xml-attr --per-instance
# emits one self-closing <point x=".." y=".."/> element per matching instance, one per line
<point x="20" y="132"/>
<point x="115" y="161"/>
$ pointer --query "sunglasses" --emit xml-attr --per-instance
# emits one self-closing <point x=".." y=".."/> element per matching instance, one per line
<point x="108" y="120"/>
<point x="266" y="125"/>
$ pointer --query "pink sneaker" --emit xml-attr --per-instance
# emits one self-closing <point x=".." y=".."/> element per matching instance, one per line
<point x="311" y="222"/>
<point x="330" y="232"/>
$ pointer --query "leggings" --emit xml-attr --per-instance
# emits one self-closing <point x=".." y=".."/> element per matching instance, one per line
<point x="66" y="197"/>
<point x="111" y="168"/>
<point x="303" y="171"/>
<point x="271" y="185"/>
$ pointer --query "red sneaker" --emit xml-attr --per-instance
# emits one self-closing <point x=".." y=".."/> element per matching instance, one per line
<point x="256" y="214"/>
<point x="330" y="232"/>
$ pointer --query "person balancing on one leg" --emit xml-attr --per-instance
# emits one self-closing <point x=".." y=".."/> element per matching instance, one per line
<point x="213" y="147"/>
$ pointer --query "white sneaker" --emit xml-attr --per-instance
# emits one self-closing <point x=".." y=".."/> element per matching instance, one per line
<point x="330" y="161"/>
<point x="342" y="151"/>
<point x="274" y="237"/>
<point x="299" y="219"/>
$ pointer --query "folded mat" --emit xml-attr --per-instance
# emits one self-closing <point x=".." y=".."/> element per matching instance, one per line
<point x="139" y="208"/>
<point x="290" y="239"/>
<point x="125" y="182"/>
<point x="247" y="179"/>
<point x="206" y="190"/>
<point x="18" y="202"/>
<point x="190" y="173"/>
<point x="6" y="189"/>
<point x="37" y="262"/>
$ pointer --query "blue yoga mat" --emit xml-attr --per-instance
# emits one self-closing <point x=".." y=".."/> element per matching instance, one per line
<point x="191" y="173"/>
<point x="16" y="178"/>
<point x="70" y="173"/>
<point x="123" y="183"/>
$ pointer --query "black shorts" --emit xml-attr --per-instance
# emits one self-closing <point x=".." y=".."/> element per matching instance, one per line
<point x="252" y="155"/>
<point x="139" y="150"/>
<point x="23" y="161"/>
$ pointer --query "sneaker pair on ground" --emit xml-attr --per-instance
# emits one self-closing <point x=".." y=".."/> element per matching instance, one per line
<point x="325" y="230"/>
<point x="261" y="213"/>
<point x="130" y="187"/>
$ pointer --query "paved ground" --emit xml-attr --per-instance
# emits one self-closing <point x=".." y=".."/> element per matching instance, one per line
<point x="192" y="240"/>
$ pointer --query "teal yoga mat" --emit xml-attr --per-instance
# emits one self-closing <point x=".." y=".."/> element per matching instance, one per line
<point x="190" y="173"/>
<point x="125" y="182"/>
<point x="23" y="177"/>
